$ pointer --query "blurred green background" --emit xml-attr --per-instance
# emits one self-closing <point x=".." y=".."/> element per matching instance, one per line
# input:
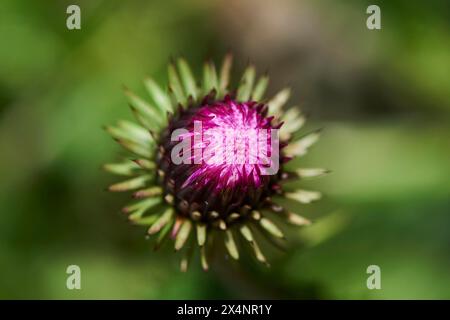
<point x="382" y="98"/>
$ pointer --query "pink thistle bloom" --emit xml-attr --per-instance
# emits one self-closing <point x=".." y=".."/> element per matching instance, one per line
<point x="207" y="159"/>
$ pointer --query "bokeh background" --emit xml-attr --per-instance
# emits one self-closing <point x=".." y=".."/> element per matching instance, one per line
<point x="382" y="98"/>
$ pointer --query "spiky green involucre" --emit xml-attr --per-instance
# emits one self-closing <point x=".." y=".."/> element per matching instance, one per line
<point x="203" y="205"/>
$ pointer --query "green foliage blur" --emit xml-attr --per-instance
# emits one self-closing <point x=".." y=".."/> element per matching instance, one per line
<point x="382" y="97"/>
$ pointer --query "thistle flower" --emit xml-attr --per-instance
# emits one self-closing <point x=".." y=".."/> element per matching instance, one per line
<point x="198" y="200"/>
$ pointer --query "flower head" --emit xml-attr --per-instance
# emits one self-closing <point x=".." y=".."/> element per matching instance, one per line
<point x="208" y="160"/>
